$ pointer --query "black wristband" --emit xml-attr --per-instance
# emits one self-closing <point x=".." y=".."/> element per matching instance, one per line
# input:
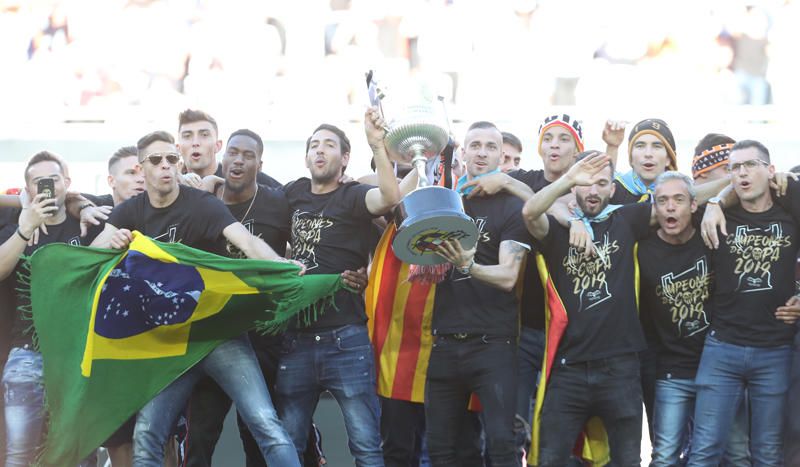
<point x="19" y="232"/>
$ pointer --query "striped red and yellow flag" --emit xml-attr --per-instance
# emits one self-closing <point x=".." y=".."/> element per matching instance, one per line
<point x="592" y="444"/>
<point x="400" y="314"/>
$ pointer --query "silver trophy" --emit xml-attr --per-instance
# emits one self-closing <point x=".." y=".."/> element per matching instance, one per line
<point x="430" y="214"/>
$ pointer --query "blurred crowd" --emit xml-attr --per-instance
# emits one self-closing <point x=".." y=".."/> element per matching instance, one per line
<point x="106" y="55"/>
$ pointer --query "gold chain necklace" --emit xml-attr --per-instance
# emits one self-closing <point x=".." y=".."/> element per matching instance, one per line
<point x="252" y="201"/>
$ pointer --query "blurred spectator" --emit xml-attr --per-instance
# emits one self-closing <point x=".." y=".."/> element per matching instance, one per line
<point x="481" y="57"/>
<point x="749" y="32"/>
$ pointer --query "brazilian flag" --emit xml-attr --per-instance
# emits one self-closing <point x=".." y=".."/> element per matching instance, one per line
<point x="116" y="327"/>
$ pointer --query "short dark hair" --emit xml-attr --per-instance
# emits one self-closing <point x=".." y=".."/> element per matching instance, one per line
<point x="121" y="153"/>
<point x="45" y="156"/>
<point x="151" y="138"/>
<point x="591" y="152"/>
<point x="795" y="169"/>
<point x="763" y="152"/>
<point x="482" y="124"/>
<point x="344" y="142"/>
<point x="510" y="138"/>
<point x="192" y="115"/>
<point x="250" y="134"/>
<point x="710" y="140"/>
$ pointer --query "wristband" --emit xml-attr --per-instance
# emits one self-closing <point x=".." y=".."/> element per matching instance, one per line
<point x="84" y="206"/>
<point x="19" y="232"/>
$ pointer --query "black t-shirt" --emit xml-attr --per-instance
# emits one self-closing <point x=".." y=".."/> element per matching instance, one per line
<point x="330" y="234"/>
<point x="598" y="292"/>
<point x="261" y="178"/>
<point x="68" y="232"/>
<point x="532" y="302"/>
<point x="755" y="266"/>
<point x="623" y="196"/>
<point x="266" y="217"/>
<point x="196" y="218"/>
<point x="675" y="292"/>
<point x="466" y="305"/>
<point x="100" y="200"/>
<point x="8" y="224"/>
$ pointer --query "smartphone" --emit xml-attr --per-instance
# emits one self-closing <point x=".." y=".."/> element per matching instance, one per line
<point x="47" y="187"/>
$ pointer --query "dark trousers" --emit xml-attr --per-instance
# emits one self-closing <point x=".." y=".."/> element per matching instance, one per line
<point x="457" y="368"/>
<point x="403" y="433"/>
<point x="608" y="388"/>
<point x="792" y="442"/>
<point x="647" y="367"/>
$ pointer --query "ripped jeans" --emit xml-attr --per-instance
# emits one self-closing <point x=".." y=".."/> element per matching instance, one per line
<point x="23" y="393"/>
<point x="234" y="367"/>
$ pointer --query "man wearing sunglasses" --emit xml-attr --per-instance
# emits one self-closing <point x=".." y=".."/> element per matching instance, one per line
<point x="749" y="341"/>
<point x="170" y="212"/>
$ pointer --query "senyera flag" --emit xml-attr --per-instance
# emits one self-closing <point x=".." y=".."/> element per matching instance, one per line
<point x="592" y="443"/>
<point x="116" y="327"/>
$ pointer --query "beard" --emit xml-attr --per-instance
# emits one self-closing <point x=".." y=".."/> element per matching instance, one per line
<point x="594" y="210"/>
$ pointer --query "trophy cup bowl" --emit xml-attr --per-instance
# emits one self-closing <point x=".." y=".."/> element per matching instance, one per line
<point x="429" y="215"/>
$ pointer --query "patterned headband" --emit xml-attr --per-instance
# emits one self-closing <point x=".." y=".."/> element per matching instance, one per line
<point x="711" y="158"/>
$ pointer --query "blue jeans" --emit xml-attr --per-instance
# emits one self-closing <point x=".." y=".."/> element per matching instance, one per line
<point x="23" y="393"/>
<point x="234" y="367"/>
<point x="725" y="369"/>
<point x="793" y="413"/>
<point x="674" y="409"/>
<point x="674" y="406"/>
<point x="339" y="361"/>
<point x="529" y="363"/>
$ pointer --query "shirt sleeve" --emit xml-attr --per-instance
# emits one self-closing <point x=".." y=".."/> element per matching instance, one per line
<point x="216" y="215"/>
<point x="791" y="200"/>
<point x="357" y="198"/>
<point x="514" y="227"/>
<point x="102" y="200"/>
<point x="548" y="242"/>
<point x="266" y="180"/>
<point x="123" y="216"/>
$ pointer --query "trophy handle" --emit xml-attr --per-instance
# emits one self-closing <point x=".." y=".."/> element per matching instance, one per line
<point x="376" y="95"/>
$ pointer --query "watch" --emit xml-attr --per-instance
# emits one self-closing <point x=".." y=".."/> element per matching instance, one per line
<point x="464" y="270"/>
<point x="716" y="200"/>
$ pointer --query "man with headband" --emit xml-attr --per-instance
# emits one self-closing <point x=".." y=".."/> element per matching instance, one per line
<point x="710" y="159"/>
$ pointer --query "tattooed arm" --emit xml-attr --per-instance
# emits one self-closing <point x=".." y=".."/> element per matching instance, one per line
<point x="502" y="276"/>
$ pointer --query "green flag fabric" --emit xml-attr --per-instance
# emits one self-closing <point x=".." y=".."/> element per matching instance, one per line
<point x="116" y="327"/>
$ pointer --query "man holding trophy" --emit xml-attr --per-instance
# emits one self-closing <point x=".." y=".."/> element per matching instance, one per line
<point x="476" y="316"/>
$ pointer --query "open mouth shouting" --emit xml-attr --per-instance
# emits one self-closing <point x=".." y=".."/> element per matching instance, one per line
<point x="236" y="173"/>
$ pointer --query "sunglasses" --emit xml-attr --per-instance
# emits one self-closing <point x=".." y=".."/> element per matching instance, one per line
<point x="156" y="157"/>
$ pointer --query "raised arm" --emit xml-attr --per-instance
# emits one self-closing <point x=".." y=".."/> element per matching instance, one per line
<point x="29" y="220"/>
<point x="494" y="183"/>
<point x="584" y="172"/>
<point x="613" y="135"/>
<point x="10" y="201"/>
<point x="382" y="199"/>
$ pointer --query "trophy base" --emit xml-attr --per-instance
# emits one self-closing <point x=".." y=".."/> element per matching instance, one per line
<point x="427" y="217"/>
